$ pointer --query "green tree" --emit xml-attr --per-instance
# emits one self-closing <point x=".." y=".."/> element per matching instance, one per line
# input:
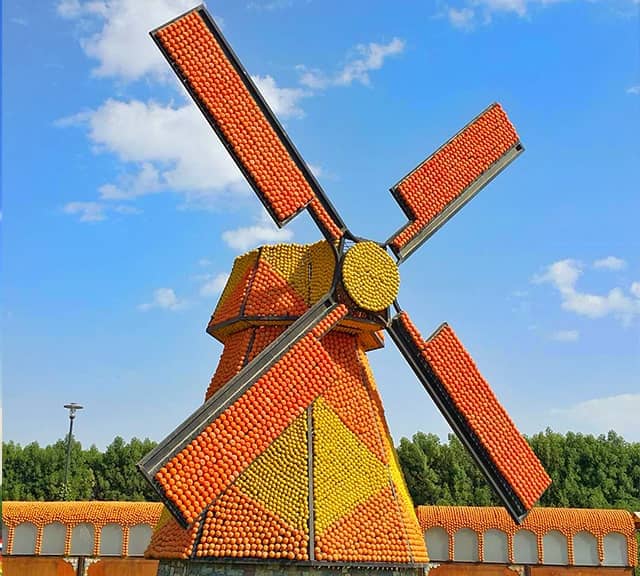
<point x="587" y="471"/>
<point x="117" y="477"/>
<point x="33" y="472"/>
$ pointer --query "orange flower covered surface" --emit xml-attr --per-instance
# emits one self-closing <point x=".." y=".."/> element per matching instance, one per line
<point x="315" y="419"/>
<point x="568" y="521"/>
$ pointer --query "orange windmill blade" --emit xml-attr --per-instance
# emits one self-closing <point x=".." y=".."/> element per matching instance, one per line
<point x="441" y="185"/>
<point x="293" y="390"/>
<point x="230" y="101"/>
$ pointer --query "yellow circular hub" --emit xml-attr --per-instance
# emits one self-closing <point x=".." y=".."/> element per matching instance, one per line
<point x="370" y="276"/>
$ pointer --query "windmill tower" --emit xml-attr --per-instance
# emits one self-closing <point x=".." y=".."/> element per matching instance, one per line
<point x="290" y="457"/>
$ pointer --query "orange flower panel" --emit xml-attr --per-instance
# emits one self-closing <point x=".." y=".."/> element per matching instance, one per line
<point x="372" y="532"/>
<point x="475" y="400"/>
<point x="452" y="169"/>
<point x="238" y="526"/>
<point x="223" y="93"/>
<point x="271" y="295"/>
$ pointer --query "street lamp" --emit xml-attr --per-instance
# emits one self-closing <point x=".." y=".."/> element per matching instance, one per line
<point x="72" y="414"/>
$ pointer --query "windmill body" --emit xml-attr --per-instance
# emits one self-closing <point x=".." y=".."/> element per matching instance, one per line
<point x="328" y="473"/>
<point x="289" y="457"/>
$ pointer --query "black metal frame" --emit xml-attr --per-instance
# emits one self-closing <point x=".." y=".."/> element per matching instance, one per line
<point x="434" y="386"/>
<point x="269" y="115"/>
<point x="456" y="204"/>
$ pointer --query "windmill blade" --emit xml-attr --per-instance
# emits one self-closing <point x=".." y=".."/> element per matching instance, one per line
<point x="192" y="466"/>
<point x="230" y="101"/>
<point x="466" y="400"/>
<point x="436" y="189"/>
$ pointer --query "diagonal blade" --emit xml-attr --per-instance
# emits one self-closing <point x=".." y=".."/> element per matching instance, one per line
<point x="230" y="101"/>
<point x="466" y="400"/>
<point x="440" y="186"/>
<point x="200" y="458"/>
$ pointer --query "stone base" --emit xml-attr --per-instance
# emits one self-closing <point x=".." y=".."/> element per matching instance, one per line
<point x="221" y="568"/>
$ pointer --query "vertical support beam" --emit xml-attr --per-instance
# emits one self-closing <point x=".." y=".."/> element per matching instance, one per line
<point x="312" y="519"/>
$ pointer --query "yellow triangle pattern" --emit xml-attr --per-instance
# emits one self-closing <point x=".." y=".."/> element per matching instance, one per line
<point x="278" y="478"/>
<point x="345" y="472"/>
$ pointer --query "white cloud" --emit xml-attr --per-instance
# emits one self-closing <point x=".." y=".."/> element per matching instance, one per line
<point x="468" y="12"/>
<point x="563" y="276"/>
<point x="122" y="45"/>
<point x="164" y="298"/>
<point x="518" y="7"/>
<point x="635" y="289"/>
<point x="610" y="263"/>
<point x="96" y="211"/>
<point x="168" y="147"/>
<point x="146" y="181"/>
<point x="566" y="335"/>
<point x="634" y="90"/>
<point x="263" y="232"/>
<point x="283" y="101"/>
<point x="86" y="211"/>
<point x="599" y="415"/>
<point x="462" y="18"/>
<point x="368" y="57"/>
<point x="214" y="284"/>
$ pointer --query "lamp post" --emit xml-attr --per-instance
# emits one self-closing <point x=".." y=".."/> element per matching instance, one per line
<point x="73" y="407"/>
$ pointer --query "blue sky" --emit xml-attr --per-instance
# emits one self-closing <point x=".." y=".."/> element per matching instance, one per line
<point x="122" y="214"/>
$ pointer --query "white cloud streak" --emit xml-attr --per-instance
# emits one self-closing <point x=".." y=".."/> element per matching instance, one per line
<point x="368" y="57"/>
<point x="283" y="101"/>
<point x="600" y="415"/>
<point x="566" y="335"/>
<point x="634" y="90"/>
<point x="610" y="263"/>
<point x="165" y="299"/>
<point x="463" y="18"/>
<point x="96" y="211"/>
<point x="214" y="284"/>
<point x="263" y="232"/>
<point x="468" y="13"/>
<point x="563" y="276"/>
<point x="86" y="211"/>
<point x="122" y="46"/>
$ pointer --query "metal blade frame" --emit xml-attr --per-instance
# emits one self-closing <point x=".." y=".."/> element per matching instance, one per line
<point x="268" y="114"/>
<point x="467" y="436"/>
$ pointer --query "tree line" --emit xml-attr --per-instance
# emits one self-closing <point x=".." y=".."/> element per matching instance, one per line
<point x="587" y="471"/>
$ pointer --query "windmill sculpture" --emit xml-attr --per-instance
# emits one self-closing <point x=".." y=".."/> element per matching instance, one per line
<point x="290" y="456"/>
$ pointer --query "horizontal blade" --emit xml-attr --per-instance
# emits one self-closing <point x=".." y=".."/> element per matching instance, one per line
<point x="466" y="400"/>
<point x="440" y="186"/>
<point x="200" y="458"/>
<point x="230" y="101"/>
